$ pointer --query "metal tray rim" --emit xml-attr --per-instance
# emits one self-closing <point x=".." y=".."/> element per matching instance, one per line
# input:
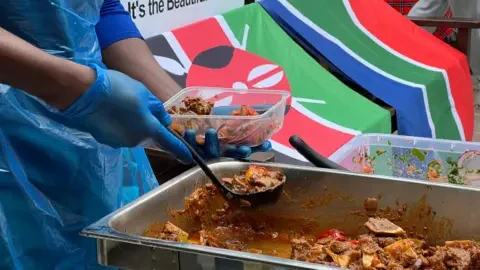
<point x="102" y="229"/>
<point x="209" y="251"/>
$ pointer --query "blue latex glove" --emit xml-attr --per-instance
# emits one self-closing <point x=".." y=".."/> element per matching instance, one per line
<point x="211" y="144"/>
<point x="115" y="111"/>
<point x="212" y="149"/>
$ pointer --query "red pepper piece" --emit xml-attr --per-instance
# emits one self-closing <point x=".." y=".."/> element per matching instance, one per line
<point x="335" y="234"/>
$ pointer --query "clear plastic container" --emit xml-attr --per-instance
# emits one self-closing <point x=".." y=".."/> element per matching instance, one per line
<point x="235" y="130"/>
<point x="410" y="157"/>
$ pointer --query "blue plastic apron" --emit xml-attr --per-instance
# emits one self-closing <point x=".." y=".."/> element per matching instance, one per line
<point x="54" y="180"/>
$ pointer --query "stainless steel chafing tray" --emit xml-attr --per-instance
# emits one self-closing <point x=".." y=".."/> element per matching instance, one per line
<point x="330" y="198"/>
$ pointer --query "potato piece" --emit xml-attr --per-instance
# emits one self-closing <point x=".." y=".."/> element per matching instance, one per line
<point x="342" y="260"/>
<point x="175" y="232"/>
<point x="367" y="260"/>
<point x="383" y="226"/>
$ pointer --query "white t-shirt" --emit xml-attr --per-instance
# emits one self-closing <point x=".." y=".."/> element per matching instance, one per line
<point x="461" y="9"/>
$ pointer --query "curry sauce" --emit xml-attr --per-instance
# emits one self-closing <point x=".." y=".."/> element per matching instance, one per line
<point x="208" y="220"/>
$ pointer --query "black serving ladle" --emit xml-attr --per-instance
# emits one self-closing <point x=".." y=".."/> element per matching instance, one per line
<point x="254" y="199"/>
<point x="311" y="155"/>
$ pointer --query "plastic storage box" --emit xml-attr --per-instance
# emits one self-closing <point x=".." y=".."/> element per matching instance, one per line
<point x="411" y="157"/>
<point x="235" y="130"/>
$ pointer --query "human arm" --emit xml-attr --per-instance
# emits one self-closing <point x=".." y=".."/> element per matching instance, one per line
<point x="429" y="8"/>
<point x="56" y="81"/>
<point x="111" y="106"/>
<point x="124" y="49"/>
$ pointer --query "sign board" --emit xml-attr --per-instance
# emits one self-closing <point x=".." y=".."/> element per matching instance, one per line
<point x="154" y="17"/>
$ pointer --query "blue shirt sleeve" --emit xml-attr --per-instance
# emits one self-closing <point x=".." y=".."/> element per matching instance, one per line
<point x="115" y="24"/>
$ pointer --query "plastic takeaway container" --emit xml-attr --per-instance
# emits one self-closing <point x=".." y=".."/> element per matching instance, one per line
<point x="234" y="130"/>
<point x="436" y="160"/>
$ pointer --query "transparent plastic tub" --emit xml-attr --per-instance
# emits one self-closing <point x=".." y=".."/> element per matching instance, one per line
<point x="234" y="130"/>
<point x="410" y="157"/>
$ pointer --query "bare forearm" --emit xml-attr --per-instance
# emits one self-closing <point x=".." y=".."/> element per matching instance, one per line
<point x="57" y="81"/>
<point x="133" y="57"/>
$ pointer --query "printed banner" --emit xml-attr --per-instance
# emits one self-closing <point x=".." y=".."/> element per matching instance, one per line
<point x="154" y="17"/>
<point x="246" y="48"/>
<point x="425" y="80"/>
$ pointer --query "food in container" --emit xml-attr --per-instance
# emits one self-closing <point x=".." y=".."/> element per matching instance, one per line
<point x="383" y="244"/>
<point x="254" y="179"/>
<point x="314" y="200"/>
<point x="443" y="161"/>
<point x="241" y="117"/>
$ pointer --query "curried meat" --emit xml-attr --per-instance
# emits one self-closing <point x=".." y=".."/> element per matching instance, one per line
<point x="340" y="247"/>
<point x="458" y="258"/>
<point x="383" y="226"/>
<point x="368" y="245"/>
<point x="245" y="111"/>
<point x="371" y="205"/>
<point x="302" y="250"/>
<point x="386" y="246"/>
<point x="237" y="132"/>
<point x="254" y="179"/>
<point x="194" y="105"/>
<point x="168" y="232"/>
<point x="384" y="241"/>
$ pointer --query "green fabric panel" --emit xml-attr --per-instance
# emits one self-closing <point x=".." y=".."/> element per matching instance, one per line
<point x="333" y="17"/>
<point x="307" y="78"/>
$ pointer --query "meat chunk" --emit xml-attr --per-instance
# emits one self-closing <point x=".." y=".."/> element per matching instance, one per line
<point x="340" y="247"/>
<point x="173" y="233"/>
<point x="368" y="245"/>
<point x="436" y="260"/>
<point x="255" y="178"/>
<point x="245" y="111"/>
<point x="383" y="226"/>
<point x="384" y="241"/>
<point x="458" y="258"/>
<point x="461" y="255"/>
<point x="198" y="105"/>
<point x="260" y="176"/>
<point x="371" y="205"/>
<point x="197" y="205"/>
<point x="302" y="250"/>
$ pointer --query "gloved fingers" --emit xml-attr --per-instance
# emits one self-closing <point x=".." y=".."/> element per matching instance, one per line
<point x="158" y="110"/>
<point x="169" y="142"/>
<point x="191" y="137"/>
<point x="240" y="152"/>
<point x="212" y="144"/>
<point x="265" y="147"/>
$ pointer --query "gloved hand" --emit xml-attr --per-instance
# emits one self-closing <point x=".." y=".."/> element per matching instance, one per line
<point x="212" y="149"/>
<point x="211" y="140"/>
<point x="116" y="111"/>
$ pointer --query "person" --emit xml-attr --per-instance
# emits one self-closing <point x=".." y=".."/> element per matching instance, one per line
<point x="75" y="101"/>
<point x="404" y="7"/>
<point x="461" y="9"/>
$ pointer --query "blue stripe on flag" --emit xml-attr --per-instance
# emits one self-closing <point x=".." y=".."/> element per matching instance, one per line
<point x="408" y="101"/>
